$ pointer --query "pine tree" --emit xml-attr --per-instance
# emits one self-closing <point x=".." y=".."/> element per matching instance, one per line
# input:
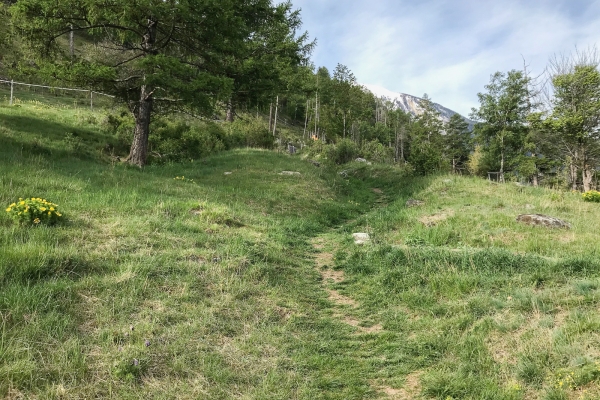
<point x="152" y="55"/>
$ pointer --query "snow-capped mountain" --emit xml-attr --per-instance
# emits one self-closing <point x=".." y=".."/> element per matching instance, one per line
<point x="412" y="104"/>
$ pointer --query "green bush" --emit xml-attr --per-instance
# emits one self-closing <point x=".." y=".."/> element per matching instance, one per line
<point x="426" y="159"/>
<point x="34" y="211"/>
<point x="250" y="133"/>
<point x="592" y="196"/>
<point x="172" y="140"/>
<point x="377" y="152"/>
<point x="344" y="151"/>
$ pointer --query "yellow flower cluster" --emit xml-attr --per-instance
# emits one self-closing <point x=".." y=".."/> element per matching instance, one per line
<point x="592" y="195"/>
<point x="34" y="210"/>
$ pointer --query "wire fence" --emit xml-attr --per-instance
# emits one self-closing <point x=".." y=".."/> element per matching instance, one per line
<point x="15" y="93"/>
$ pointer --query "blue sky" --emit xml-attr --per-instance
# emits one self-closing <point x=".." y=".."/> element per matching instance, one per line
<point x="447" y="49"/>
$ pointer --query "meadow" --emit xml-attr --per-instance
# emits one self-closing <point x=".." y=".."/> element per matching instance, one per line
<point x="220" y="278"/>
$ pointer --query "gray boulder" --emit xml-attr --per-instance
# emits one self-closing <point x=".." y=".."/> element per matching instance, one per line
<point x="361" y="238"/>
<point x="414" y="203"/>
<point x="543" y="220"/>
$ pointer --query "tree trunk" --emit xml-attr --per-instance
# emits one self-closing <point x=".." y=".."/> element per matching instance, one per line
<point x="305" y="121"/>
<point x="139" y="147"/>
<point x="270" y="117"/>
<point x="573" y="176"/>
<point x="316" y="115"/>
<point x="535" y="180"/>
<point x="396" y="146"/>
<point x="143" y="110"/>
<point x="588" y="177"/>
<point x="72" y="42"/>
<point x="501" y="177"/>
<point x="230" y="111"/>
<point x="402" y="144"/>
<point x="276" y="110"/>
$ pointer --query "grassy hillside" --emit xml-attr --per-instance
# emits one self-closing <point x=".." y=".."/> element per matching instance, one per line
<point x="248" y="284"/>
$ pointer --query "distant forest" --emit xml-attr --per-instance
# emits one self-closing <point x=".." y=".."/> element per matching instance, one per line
<point x="245" y="59"/>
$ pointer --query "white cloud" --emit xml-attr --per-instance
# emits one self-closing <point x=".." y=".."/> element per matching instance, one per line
<point x="446" y="49"/>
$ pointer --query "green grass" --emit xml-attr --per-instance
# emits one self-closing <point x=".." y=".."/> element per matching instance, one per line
<point x="160" y="288"/>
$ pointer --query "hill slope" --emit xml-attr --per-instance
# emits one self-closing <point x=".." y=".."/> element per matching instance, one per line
<point x="248" y="285"/>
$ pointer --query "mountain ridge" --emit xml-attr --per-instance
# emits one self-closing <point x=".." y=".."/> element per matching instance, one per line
<point x="413" y="104"/>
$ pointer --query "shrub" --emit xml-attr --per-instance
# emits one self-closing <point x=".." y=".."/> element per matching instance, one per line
<point x="592" y="196"/>
<point x="34" y="211"/>
<point x="344" y="151"/>
<point x="250" y="133"/>
<point x="377" y="152"/>
<point x="173" y="140"/>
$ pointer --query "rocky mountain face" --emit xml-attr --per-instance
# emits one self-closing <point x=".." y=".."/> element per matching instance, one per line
<point x="412" y="105"/>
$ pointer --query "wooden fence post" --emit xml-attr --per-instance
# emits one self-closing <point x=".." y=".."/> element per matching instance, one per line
<point x="11" y="92"/>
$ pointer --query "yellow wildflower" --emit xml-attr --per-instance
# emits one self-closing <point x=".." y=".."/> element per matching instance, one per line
<point x="22" y="203"/>
<point x="36" y="221"/>
<point x="43" y="209"/>
<point x="8" y="209"/>
<point x="49" y="213"/>
<point x="59" y="214"/>
<point x="51" y="208"/>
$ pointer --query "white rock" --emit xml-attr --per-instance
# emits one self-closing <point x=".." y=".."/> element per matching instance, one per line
<point x="228" y="173"/>
<point x="290" y="173"/>
<point x="361" y="238"/>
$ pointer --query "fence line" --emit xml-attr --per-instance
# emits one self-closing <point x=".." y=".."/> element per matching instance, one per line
<point x="91" y="92"/>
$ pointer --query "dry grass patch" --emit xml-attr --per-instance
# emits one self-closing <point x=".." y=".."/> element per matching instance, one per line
<point x="435" y="219"/>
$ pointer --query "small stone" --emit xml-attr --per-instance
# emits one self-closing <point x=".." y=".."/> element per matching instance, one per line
<point x="147" y="343"/>
<point x="543" y="220"/>
<point x="343" y="173"/>
<point x="529" y="206"/>
<point x="131" y="327"/>
<point x="361" y="160"/>
<point x="136" y="362"/>
<point x="414" y="203"/>
<point x="228" y="173"/>
<point x="361" y="238"/>
<point x="290" y="173"/>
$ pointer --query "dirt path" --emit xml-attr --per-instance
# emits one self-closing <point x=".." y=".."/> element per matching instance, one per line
<point x="345" y="307"/>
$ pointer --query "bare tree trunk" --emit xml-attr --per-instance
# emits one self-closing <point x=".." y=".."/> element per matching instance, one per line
<point x="271" y="117"/>
<point x="230" y="111"/>
<point x="535" y="179"/>
<point x="573" y="176"/>
<point x="588" y="178"/>
<point x="305" y="120"/>
<point x="501" y="178"/>
<point x="344" y="124"/>
<point x="72" y="42"/>
<point x="316" y="114"/>
<point x="396" y="147"/>
<point x="402" y="144"/>
<point x="276" y="110"/>
<point x="143" y="110"/>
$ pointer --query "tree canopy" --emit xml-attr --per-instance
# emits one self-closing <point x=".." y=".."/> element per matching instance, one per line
<point x="153" y="55"/>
